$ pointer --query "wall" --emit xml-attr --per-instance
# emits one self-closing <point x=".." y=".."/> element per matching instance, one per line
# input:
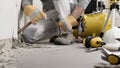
<point x="9" y="11"/>
<point x="8" y="19"/>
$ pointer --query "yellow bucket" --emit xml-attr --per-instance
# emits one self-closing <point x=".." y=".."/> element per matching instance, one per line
<point x="93" y="24"/>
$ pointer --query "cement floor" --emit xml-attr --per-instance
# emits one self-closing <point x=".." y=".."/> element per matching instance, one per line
<point x="70" y="56"/>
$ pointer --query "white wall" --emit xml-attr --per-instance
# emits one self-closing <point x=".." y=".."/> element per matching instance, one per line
<point x="8" y="19"/>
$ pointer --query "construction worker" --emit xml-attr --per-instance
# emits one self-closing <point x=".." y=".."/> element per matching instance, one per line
<point x="60" y="32"/>
<point x="69" y="11"/>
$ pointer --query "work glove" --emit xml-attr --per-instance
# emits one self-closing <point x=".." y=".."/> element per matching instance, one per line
<point x="67" y="23"/>
<point x="33" y="13"/>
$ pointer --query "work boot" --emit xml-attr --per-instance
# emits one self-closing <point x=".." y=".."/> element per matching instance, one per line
<point x="52" y="39"/>
<point x="64" y="39"/>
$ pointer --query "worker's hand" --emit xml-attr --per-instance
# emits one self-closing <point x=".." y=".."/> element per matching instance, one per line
<point x="67" y="23"/>
<point x="40" y="16"/>
<point x="33" y="13"/>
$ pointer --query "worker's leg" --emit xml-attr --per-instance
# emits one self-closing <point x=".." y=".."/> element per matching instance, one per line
<point x="62" y="7"/>
<point x="44" y="29"/>
<point x="68" y="18"/>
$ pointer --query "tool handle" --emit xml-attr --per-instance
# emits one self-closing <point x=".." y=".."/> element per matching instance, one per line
<point x="24" y="27"/>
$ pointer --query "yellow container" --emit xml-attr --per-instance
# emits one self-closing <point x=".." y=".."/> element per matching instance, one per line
<point x="94" y="23"/>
